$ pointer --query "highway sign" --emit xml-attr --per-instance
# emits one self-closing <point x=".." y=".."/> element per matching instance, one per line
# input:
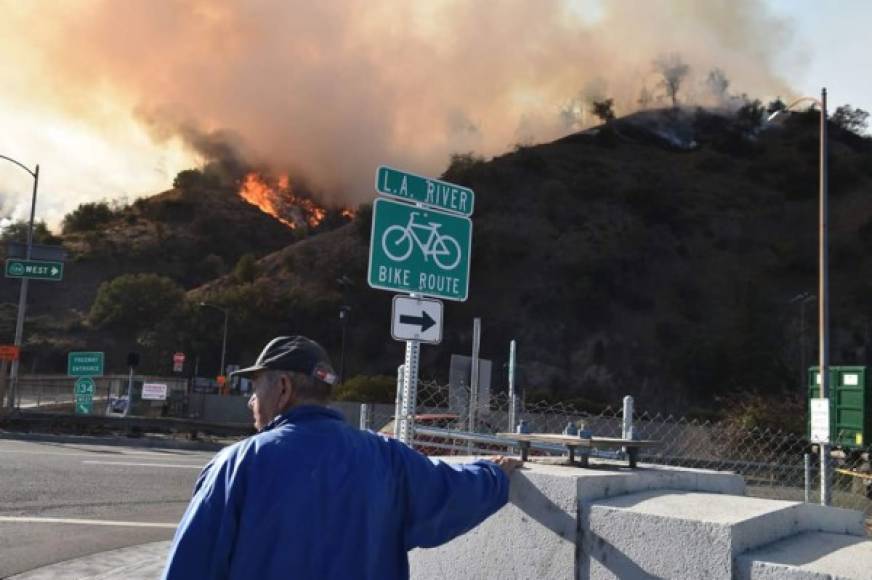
<point x="34" y="269"/>
<point x="432" y="192"/>
<point x="9" y="352"/>
<point x="37" y="251"/>
<point x="85" y="364"/>
<point x="416" y="319"/>
<point x="418" y="250"/>
<point x="84" y="394"/>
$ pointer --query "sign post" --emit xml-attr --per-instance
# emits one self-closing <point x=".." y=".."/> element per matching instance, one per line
<point x="423" y="249"/>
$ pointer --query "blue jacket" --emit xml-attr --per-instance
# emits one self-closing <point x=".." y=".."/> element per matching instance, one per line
<point x="313" y="497"/>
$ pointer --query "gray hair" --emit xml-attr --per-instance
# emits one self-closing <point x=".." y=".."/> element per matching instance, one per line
<point x="307" y="387"/>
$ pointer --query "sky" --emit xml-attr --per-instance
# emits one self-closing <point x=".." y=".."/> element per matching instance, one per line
<point x="112" y="98"/>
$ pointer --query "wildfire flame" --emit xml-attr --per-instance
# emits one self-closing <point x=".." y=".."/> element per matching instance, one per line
<point x="282" y="203"/>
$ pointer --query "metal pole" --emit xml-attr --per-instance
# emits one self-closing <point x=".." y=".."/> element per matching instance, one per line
<point x="627" y="424"/>
<point x="513" y="403"/>
<point x="224" y="342"/>
<point x="365" y="414"/>
<point x="398" y="402"/>
<point x="473" y="379"/>
<point x="22" y="296"/>
<point x="129" y="393"/>
<point x="410" y="392"/>
<point x="823" y="292"/>
<point x="806" y="460"/>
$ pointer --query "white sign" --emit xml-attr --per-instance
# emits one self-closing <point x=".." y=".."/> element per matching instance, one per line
<point x="417" y="319"/>
<point x="820" y="420"/>
<point x="154" y="392"/>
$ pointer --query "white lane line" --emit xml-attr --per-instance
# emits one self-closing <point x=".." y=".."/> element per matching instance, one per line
<point x="132" y="464"/>
<point x="33" y="520"/>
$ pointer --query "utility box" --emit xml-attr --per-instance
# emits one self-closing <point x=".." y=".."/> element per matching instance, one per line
<point x="849" y="394"/>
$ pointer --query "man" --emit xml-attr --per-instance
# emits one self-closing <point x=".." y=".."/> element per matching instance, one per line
<point x="310" y="496"/>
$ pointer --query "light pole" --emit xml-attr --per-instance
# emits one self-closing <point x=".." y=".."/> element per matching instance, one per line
<point x="226" y="313"/>
<point x="823" y="277"/>
<point x="344" y="312"/>
<point x="22" y="296"/>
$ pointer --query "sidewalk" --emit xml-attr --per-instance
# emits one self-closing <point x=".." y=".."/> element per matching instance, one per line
<point x="143" y="562"/>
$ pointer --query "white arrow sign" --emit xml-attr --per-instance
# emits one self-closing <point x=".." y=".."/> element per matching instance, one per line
<point x="417" y="319"/>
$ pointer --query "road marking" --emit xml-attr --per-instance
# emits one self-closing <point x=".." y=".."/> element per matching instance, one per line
<point x="32" y="520"/>
<point x="132" y="464"/>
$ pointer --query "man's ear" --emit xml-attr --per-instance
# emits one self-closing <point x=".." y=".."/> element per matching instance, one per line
<point x="287" y="394"/>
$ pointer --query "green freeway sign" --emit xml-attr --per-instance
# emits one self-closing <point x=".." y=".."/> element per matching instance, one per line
<point x="432" y="192"/>
<point x="85" y="364"/>
<point x="35" y="269"/>
<point x="84" y="393"/>
<point x="419" y="250"/>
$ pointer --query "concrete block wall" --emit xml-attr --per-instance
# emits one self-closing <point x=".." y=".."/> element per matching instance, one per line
<point x="608" y="521"/>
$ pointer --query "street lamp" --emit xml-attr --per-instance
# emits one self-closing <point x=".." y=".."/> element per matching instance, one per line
<point x="823" y="276"/>
<point x="22" y="296"/>
<point x="226" y="313"/>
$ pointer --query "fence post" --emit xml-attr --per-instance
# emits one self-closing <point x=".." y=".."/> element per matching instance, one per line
<point x="627" y="425"/>
<point x="806" y="459"/>
<point x="513" y="398"/>
<point x="365" y="416"/>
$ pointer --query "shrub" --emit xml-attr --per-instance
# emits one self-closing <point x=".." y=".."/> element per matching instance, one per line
<point x="87" y="217"/>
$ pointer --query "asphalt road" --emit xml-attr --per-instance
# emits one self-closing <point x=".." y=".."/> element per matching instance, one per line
<point x="47" y="489"/>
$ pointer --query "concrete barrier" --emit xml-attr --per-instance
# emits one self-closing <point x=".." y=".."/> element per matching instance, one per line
<point x="608" y="521"/>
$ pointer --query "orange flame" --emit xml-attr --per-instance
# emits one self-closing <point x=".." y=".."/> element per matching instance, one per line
<point x="281" y="202"/>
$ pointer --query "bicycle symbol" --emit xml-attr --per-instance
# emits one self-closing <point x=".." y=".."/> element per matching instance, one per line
<point x="402" y="239"/>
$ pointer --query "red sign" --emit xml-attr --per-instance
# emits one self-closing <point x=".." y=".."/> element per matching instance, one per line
<point x="178" y="362"/>
<point x="9" y="352"/>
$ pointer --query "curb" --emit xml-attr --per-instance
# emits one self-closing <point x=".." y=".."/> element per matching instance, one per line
<point x="118" y="441"/>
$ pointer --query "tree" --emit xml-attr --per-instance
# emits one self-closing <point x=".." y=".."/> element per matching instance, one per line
<point x="135" y="302"/>
<point x="673" y="70"/>
<point x="17" y="232"/>
<point x="851" y="119"/>
<point x="187" y="179"/>
<point x="718" y="83"/>
<point x="750" y="116"/>
<point x="87" y="217"/>
<point x="775" y="105"/>
<point x="246" y="270"/>
<point x="604" y="110"/>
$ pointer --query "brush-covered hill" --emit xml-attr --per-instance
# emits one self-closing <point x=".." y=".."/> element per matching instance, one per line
<point x="658" y="255"/>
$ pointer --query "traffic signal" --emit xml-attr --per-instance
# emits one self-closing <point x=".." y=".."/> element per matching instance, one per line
<point x="133" y="359"/>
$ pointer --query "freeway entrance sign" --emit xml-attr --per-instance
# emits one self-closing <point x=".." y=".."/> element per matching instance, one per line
<point x="419" y="250"/>
<point x="85" y="364"/>
<point x="34" y="269"/>
<point x="84" y="393"/>
<point x="410" y="187"/>
<point x="416" y="319"/>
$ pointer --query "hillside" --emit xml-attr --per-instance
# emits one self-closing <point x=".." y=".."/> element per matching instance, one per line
<point x="657" y="255"/>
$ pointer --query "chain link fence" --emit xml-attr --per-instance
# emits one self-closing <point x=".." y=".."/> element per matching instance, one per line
<point x="775" y="464"/>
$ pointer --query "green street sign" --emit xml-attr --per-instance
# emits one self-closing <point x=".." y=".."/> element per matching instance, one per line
<point x="84" y="394"/>
<point x="84" y="386"/>
<point x="419" y="250"/>
<point x="34" y="269"/>
<point x="432" y="192"/>
<point x="85" y="364"/>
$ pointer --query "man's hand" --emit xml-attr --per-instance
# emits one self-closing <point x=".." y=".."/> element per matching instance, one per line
<point x="507" y="464"/>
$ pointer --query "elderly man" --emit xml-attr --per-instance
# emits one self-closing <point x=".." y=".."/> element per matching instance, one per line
<point x="310" y="496"/>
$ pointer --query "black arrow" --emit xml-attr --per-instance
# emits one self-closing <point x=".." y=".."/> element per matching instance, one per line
<point x="425" y="321"/>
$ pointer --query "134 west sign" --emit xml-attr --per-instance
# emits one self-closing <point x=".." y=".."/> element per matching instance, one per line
<point x="34" y="269"/>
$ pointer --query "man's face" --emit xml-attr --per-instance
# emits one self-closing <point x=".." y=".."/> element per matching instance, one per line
<point x="265" y="399"/>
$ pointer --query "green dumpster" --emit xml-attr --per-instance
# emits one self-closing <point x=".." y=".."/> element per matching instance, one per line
<point x="849" y="394"/>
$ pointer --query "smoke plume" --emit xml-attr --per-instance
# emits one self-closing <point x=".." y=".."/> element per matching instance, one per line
<point x="329" y="90"/>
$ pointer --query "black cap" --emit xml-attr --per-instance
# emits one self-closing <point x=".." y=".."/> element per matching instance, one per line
<point x="293" y="353"/>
